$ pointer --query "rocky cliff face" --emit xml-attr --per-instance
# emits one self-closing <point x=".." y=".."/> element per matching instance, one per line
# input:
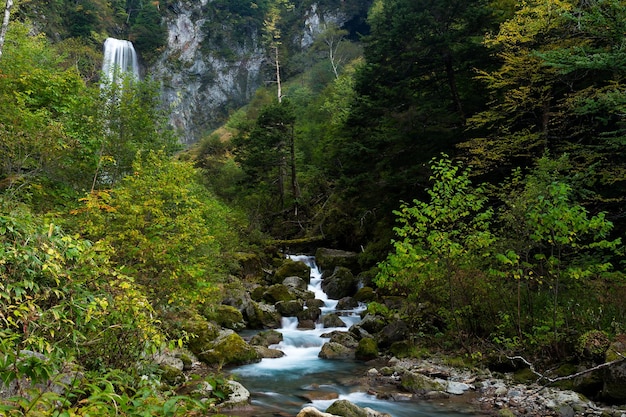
<point x="199" y="87"/>
<point x="211" y="66"/>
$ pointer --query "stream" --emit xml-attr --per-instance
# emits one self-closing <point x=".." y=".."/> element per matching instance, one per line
<point x="283" y="386"/>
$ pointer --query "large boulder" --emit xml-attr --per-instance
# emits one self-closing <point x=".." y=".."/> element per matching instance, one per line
<point x="345" y="408"/>
<point x="276" y="293"/>
<point x="289" y="308"/>
<point x="418" y="383"/>
<point x="332" y="320"/>
<point x="229" y="317"/>
<point x="262" y="316"/>
<point x="328" y="259"/>
<point x="341" y="283"/>
<point x="295" y="282"/>
<point x="366" y="350"/>
<point x="266" y="338"/>
<point x="313" y="412"/>
<point x="229" y="349"/>
<point x="239" y="397"/>
<point x="393" y="332"/>
<point x="291" y="268"/>
<point x="332" y="350"/>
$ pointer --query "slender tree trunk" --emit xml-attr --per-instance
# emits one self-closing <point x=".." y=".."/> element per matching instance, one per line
<point x="280" y="91"/>
<point x="5" y="24"/>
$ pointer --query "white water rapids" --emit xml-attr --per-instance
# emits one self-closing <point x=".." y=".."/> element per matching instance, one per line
<point x="279" y="387"/>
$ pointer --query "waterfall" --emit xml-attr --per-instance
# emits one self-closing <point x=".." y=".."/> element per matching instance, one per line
<point x="119" y="58"/>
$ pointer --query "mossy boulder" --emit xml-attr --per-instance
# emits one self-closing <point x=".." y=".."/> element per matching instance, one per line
<point x="314" y="302"/>
<point x="204" y="331"/>
<point x="344" y="338"/>
<point x="332" y="350"/>
<point x="332" y="320"/>
<point x="262" y="316"/>
<point x="328" y="259"/>
<point x="418" y="383"/>
<point x="295" y="282"/>
<point x="229" y="317"/>
<point x="312" y="313"/>
<point x="365" y="295"/>
<point x="347" y="303"/>
<point x="345" y="408"/>
<point x="229" y="349"/>
<point x="367" y="349"/>
<point x="171" y="375"/>
<point x="393" y="332"/>
<point x="289" y="308"/>
<point x="341" y="283"/>
<point x="267" y="338"/>
<point x="276" y="293"/>
<point x="291" y="268"/>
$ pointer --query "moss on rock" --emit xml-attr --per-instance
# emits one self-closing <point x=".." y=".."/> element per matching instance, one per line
<point x="367" y="349"/>
<point x="229" y="349"/>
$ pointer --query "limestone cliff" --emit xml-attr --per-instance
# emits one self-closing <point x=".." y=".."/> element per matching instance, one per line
<point x="214" y="59"/>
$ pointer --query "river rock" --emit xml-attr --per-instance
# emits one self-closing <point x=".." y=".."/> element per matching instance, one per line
<point x="418" y="383"/>
<point x="332" y="350"/>
<point x="314" y="302"/>
<point x="332" y="320"/>
<point x="347" y="303"/>
<point x="343" y="338"/>
<point x="312" y="313"/>
<point x="265" y="352"/>
<point x="267" y="338"/>
<point x="366" y="350"/>
<point x="291" y="268"/>
<point x="329" y="259"/>
<point x="277" y="292"/>
<point x="238" y="398"/>
<point x="295" y="282"/>
<point x="365" y="295"/>
<point x="372" y="323"/>
<point x="313" y="412"/>
<point x="289" y="308"/>
<point x="262" y="316"/>
<point x="393" y="332"/>
<point x="341" y="283"/>
<point x="229" y="349"/>
<point x="229" y="317"/>
<point x="345" y="408"/>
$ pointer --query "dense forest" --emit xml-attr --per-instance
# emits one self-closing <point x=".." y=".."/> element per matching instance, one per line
<point x="471" y="152"/>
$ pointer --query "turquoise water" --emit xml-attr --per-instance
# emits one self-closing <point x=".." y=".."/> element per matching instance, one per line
<point x="283" y="386"/>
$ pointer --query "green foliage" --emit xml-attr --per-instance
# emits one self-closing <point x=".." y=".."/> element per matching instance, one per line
<point x="166" y="229"/>
<point x="440" y="240"/>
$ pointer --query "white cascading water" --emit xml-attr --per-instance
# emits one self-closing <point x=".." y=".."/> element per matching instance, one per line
<point x="279" y="386"/>
<point x="120" y="58"/>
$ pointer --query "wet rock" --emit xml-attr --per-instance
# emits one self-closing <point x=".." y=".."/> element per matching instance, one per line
<point x="347" y="303"/>
<point x="277" y="292"/>
<point x="332" y="320"/>
<point x="345" y="408"/>
<point x="239" y="397"/>
<point x="229" y="348"/>
<point x="341" y="283"/>
<point x="289" y="308"/>
<point x="265" y="352"/>
<point x="372" y="324"/>
<point x="393" y="332"/>
<point x="313" y="412"/>
<point x="344" y="338"/>
<point x="418" y="383"/>
<point x="314" y="302"/>
<point x="311" y="313"/>
<point x="262" y="316"/>
<point x="295" y="282"/>
<point x="320" y="395"/>
<point x="267" y="338"/>
<point x="328" y="259"/>
<point x="229" y="317"/>
<point x="332" y="350"/>
<point x="365" y="294"/>
<point x="291" y="268"/>
<point x="367" y="349"/>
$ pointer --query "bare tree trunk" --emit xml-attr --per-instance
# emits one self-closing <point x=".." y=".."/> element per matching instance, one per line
<point x="280" y="91"/>
<point x="5" y="24"/>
